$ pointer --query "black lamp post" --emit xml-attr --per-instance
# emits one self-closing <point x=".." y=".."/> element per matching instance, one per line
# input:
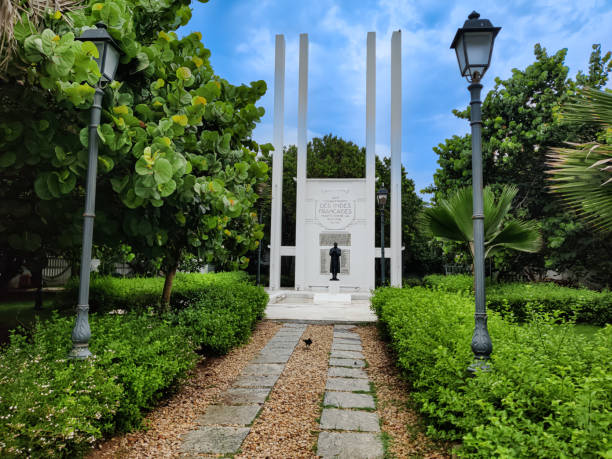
<point x="107" y="61"/>
<point x="473" y="44"/>
<point x="381" y="199"/>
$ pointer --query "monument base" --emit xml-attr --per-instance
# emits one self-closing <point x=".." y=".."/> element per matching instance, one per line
<point x="323" y="298"/>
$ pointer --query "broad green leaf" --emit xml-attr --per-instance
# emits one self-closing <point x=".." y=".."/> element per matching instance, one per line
<point x="183" y="73"/>
<point x="7" y="159"/>
<point x="143" y="167"/>
<point x="90" y="49"/>
<point x="119" y="184"/>
<point x="167" y="188"/>
<point x="68" y="184"/>
<point x="131" y="200"/>
<point x="163" y="170"/>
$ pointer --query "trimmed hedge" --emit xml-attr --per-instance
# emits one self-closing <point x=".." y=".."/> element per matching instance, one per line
<point x="520" y="299"/>
<point x="139" y="293"/>
<point x="549" y="393"/>
<point x="54" y="407"/>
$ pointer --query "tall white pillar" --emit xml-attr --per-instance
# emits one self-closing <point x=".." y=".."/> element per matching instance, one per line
<point x="300" y="255"/>
<point x="277" y="165"/>
<point x="396" y="159"/>
<point x="371" y="156"/>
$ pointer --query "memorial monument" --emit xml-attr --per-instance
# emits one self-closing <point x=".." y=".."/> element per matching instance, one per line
<point x="334" y="211"/>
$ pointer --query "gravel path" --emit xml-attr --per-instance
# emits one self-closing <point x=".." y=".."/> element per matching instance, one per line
<point x="399" y="422"/>
<point x="176" y="417"/>
<point x="269" y="396"/>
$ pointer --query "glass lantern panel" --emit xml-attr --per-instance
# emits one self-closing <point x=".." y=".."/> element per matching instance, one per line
<point x="100" y="46"/>
<point x="460" y="50"/>
<point x="478" y="46"/>
<point x="110" y="63"/>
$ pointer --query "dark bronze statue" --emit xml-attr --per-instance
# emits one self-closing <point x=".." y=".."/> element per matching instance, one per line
<point x="334" y="267"/>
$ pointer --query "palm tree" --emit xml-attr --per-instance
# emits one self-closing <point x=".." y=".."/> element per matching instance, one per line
<point x="451" y="219"/>
<point x="582" y="173"/>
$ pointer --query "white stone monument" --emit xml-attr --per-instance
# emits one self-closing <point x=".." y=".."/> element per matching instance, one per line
<point x="336" y="210"/>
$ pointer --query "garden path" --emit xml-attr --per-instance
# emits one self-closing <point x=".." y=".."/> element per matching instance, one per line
<point x="349" y="427"/>
<point x="277" y="397"/>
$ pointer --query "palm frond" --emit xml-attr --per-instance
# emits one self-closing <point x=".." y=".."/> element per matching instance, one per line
<point x="583" y="177"/>
<point x="517" y="235"/>
<point x="496" y="210"/>
<point x="589" y="106"/>
<point x="440" y="222"/>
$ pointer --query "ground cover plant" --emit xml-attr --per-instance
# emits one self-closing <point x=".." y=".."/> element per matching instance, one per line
<point x="520" y="299"/>
<point x="53" y="407"/>
<point x="549" y="393"/>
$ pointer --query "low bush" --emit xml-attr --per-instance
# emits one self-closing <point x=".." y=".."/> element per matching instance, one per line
<point x="54" y="407"/>
<point x="223" y="316"/>
<point x="139" y="293"/>
<point x="519" y="299"/>
<point x="549" y="393"/>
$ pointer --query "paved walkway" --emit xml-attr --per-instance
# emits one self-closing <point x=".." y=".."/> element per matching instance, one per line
<point x="290" y="307"/>
<point x="349" y="425"/>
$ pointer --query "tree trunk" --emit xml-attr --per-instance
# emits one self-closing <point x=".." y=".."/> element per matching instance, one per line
<point x="165" y="299"/>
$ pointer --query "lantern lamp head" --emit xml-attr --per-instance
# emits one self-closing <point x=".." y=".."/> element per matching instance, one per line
<point x="473" y="44"/>
<point x="381" y="197"/>
<point x="108" y="51"/>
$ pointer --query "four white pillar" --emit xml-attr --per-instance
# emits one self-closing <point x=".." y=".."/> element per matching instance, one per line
<point x="277" y="165"/>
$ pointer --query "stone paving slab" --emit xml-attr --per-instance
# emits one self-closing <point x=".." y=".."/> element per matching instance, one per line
<point x="243" y="396"/>
<point x="272" y="358"/>
<point x="348" y="384"/>
<point x="345" y="339"/>
<point x="346" y="354"/>
<point x="334" y="419"/>
<point x="283" y="339"/>
<point x="214" y="440"/>
<point x="260" y="369"/>
<point x="346" y="347"/>
<point x="343" y="327"/>
<point x="346" y="335"/>
<point x="242" y="415"/>
<point x="355" y="363"/>
<point x="256" y="381"/>
<point x="349" y="445"/>
<point x="348" y="400"/>
<point x="343" y="372"/>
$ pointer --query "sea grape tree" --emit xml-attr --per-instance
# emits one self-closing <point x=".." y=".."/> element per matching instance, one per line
<point x="177" y="166"/>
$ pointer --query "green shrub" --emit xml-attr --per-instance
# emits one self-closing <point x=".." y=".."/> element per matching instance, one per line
<point x="519" y="299"/>
<point x="455" y="283"/>
<point x="586" y="306"/>
<point x="222" y="317"/>
<point x="549" y="393"/>
<point x="140" y="293"/>
<point x="54" y="407"/>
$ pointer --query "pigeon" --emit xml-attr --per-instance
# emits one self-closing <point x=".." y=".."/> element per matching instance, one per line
<point x="308" y="341"/>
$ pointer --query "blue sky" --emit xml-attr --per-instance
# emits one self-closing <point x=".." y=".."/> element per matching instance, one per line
<point x="240" y="35"/>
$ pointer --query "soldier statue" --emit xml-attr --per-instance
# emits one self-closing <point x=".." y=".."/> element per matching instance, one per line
<point x="334" y="267"/>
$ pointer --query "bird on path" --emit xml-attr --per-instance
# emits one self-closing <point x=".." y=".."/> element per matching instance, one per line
<point x="308" y="342"/>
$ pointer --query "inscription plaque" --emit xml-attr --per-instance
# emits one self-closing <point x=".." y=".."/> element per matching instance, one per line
<point x="345" y="261"/>
<point x="328" y="239"/>
<point x="335" y="213"/>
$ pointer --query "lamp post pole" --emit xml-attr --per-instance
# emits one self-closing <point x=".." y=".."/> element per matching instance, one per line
<point x="481" y="341"/>
<point x="473" y="44"/>
<point x="81" y="332"/>
<point x="382" y="245"/>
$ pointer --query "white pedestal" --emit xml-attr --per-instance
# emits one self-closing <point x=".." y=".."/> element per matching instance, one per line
<point x="323" y="298"/>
